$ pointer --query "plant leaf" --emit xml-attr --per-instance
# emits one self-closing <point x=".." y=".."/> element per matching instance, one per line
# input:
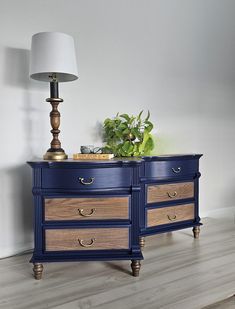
<point x="125" y="116"/>
<point x="149" y="126"/>
<point x="126" y="131"/>
<point x="148" y="146"/>
<point x="139" y="116"/>
<point x="147" y="118"/>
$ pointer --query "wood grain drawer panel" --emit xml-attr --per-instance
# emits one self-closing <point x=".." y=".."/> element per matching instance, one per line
<point x="86" y="239"/>
<point x="167" y="215"/>
<point x="97" y="208"/>
<point x="168" y="192"/>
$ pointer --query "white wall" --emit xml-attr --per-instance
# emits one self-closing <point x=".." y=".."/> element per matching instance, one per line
<point x="173" y="57"/>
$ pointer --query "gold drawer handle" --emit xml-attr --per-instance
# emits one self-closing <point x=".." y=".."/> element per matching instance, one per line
<point x="84" y="182"/>
<point x="86" y="245"/>
<point x="81" y="212"/>
<point x="171" y="218"/>
<point x="178" y="170"/>
<point x="172" y="195"/>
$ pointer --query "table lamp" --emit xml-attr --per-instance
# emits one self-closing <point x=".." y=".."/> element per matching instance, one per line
<point x="53" y="60"/>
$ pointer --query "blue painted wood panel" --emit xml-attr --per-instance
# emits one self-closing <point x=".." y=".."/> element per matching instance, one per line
<point x="171" y="169"/>
<point x="86" y="179"/>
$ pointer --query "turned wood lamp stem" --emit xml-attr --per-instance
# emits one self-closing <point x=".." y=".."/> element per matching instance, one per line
<point x="55" y="152"/>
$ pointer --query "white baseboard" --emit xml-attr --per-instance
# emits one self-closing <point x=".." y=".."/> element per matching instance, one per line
<point x="228" y="212"/>
<point x="8" y="252"/>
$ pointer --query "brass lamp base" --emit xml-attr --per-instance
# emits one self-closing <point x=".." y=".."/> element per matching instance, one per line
<point x="55" y="155"/>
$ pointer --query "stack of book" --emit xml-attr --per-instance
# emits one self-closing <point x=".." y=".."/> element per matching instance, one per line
<point x="93" y="156"/>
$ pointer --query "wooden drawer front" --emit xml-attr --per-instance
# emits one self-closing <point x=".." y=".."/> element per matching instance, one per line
<point x="87" y="239"/>
<point x="90" y="178"/>
<point x="169" y="192"/>
<point x="168" y="215"/>
<point x="98" y="208"/>
<point x="169" y="169"/>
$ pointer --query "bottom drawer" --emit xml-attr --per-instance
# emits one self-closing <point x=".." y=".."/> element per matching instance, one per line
<point x="86" y="239"/>
<point x="166" y="215"/>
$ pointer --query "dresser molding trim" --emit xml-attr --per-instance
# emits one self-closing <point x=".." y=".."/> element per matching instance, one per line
<point x="72" y="192"/>
<point x="172" y="157"/>
<point x="169" y="203"/>
<point x="164" y="228"/>
<point x="131" y="162"/>
<point x="97" y="255"/>
<point x="188" y="177"/>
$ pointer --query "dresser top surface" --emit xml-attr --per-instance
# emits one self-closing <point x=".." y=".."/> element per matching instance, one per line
<point x="171" y="157"/>
<point x="89" y="163"/>
<point x="124" y="161"/>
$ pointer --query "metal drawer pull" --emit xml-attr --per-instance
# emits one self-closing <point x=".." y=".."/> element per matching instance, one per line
<point x="172" y="195"/>
<point x="81" y="212"/>
<point x="81" y="242"/>
<point x="84" y="182"/>
<point x="178" y="170"/>
<point x="171" y="218"/>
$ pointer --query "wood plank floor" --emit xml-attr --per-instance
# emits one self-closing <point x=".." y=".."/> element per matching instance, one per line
<point x="228" y="303"/>
<point x="178" y="272"/>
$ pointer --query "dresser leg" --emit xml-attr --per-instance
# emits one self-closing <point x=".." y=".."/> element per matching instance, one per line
<point x="37" y="269"/>
<point x="135" y="265"/>
<point x="196" y="231"/>
<point x="142" y="242"/>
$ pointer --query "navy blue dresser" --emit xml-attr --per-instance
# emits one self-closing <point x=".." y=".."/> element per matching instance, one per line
<point x="86" y="211"/>
<point x="102" y="210"/>
<point x="169" y="199"/>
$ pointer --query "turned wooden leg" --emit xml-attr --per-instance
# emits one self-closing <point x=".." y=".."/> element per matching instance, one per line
<point x="37" y="269"/>
<point x="135" y="265"/>
<point x="196" y="231"/>
<point x="142" y="242"/>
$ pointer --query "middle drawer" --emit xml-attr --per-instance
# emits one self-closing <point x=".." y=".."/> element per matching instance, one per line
<point x="168" y="192"/>
<point x="87" y="208"/>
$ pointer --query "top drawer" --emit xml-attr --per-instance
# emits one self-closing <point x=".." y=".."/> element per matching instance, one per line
<point x="170" y="169"/>
<point x="90" y="178"/>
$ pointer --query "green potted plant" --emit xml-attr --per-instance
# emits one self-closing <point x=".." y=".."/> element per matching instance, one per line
<point x="128" y="135"/>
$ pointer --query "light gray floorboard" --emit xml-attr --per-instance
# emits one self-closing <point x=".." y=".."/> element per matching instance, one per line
<point x="228" y="303"/>
<point x="178" y="272"/>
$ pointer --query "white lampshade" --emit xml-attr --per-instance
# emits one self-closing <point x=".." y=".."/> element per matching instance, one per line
<point x="53" y="52"/>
